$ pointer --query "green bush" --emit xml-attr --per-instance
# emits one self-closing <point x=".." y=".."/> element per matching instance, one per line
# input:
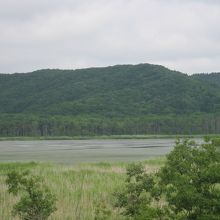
<point x="186" y="187"/>
<point x="36" y="201"/>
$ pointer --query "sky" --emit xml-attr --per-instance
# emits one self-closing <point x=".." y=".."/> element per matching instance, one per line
<point x="71" y="34"/>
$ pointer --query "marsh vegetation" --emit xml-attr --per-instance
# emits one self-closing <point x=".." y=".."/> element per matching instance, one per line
<point x="183" y="185"/>
<point x="79" y="189"/>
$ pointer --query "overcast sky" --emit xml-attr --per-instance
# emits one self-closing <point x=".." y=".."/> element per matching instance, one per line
<point x="181" y="34"/>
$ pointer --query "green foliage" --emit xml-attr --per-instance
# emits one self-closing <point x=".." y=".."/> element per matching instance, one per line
<point x="102" y="212"/>
<point x="78" y="188"/>
<point x="13" y="125"/>
<point x="112" y="91"/>
<point x="186" y="187"/>
<point x="190" y="180"/>
<point x="127" y="99"/>
<point x="140" y="198"/>
<point x="36" y="201"/>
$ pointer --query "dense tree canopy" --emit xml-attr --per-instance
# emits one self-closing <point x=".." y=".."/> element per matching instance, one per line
<point x="108" y="100"/>
<point x="185" y="188"/>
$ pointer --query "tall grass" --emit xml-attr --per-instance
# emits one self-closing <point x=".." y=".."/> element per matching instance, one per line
<point x="79" y="188"/>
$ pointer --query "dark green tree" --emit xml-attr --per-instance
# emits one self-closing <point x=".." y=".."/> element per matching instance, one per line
<point x="186" y="187"/>
<point x="190" y="180"/>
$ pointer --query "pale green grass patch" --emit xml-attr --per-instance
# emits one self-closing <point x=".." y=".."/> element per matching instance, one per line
<point x="78" y="188"/>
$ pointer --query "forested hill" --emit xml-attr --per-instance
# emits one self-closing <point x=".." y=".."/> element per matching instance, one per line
<point x="108" y="98"/>
<point x="125" y="90"/>
<point x="211" y="78"/>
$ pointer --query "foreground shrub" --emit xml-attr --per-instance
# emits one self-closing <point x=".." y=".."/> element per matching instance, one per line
<point x="186" y="187"/>
<point x="36" y="201"/>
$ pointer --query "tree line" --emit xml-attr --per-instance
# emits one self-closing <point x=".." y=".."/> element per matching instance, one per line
<point x="33" y="125"/>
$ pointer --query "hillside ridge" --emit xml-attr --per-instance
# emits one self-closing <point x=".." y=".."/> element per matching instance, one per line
<point x="115" y="93"/>
<point x="122" y="89"/>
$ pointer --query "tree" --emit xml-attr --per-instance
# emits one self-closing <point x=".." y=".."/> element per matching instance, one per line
<point x="36" y="202"/>
<point x="186" y="187"/>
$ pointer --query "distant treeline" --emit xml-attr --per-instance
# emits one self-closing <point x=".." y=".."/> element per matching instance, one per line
<point x="32" y="125"/>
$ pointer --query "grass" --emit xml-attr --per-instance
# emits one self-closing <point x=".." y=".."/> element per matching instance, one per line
<point x="79" y="188"/>
<point x="102" y="137"/>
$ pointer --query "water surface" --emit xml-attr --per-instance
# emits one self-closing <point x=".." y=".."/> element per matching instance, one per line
<point x="76" y="151"/>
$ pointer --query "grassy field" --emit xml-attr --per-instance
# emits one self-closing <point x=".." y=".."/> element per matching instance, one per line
<point x="79" y="188"/>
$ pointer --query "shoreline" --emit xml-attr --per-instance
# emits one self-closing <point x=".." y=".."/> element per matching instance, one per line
<point x="103" y="137"/>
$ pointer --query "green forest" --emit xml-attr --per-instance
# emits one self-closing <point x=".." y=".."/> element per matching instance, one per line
<point x="115" y="100"/>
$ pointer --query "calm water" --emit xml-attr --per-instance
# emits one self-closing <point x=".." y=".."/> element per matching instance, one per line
<point x="76" y="151"/>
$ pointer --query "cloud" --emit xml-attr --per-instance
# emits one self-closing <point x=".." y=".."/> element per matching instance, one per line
<point x="182" y="35"/>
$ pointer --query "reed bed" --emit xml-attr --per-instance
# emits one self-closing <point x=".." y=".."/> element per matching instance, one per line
<point x="79" y="189"/>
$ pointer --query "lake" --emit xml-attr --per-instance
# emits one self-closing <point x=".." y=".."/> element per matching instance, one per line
<point x="77" y="151"/>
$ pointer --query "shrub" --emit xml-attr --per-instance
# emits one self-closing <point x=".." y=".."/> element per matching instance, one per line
<point x="36" y="201"/>
<point x="186" y="187"/>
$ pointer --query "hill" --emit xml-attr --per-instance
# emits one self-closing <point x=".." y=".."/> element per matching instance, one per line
<point x="212" y="78"/>
<point x="112" y="91"/>
<point x="101" y="96"/>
